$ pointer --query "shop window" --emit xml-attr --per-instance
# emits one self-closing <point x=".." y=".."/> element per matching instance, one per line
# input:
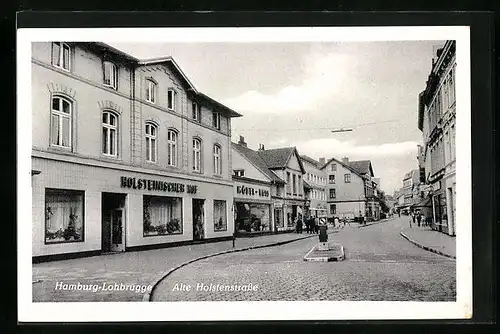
<point x="61" y="122"/>
<point x="151" y="147"/>
<point x="171" y="99"/>
<point x="196" y="155"/>
<point x="61" y="53"/>
<point x="331" y="179"/>
<point x="150" y="91"/>
<point x="162" y="215"/>
<point x="278" y="220"/>
<point x="172" y="147"/>
<point x="109" y="134"/>
<point x="252" y="217"/>
<point x="110" y="75"/>
<point x="64" y="216"/>
<point x="217" y="160"/>
<point x="347" y="178"/>
<point x="220" y="216"/>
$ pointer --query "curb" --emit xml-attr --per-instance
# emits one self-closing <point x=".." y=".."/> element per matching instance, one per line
<point x="147" y="296"/>
<point x="429" y="249"/>
<point x="341" y="257"/>
<point x="378" y="222"/>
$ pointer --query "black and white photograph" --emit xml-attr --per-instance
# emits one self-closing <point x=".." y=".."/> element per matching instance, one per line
<point x="244" y="173"/>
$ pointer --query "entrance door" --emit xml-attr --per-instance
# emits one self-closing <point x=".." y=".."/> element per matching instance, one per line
<point x="113" y="222"/>
<point x="198" y="219"/>
<point x="117" y="230"/>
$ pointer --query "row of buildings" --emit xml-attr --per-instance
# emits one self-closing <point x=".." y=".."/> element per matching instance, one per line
<point x="127" y="154"/>
<point x="431" y="187"/>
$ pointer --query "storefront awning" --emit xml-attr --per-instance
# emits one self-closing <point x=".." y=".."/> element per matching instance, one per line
<point x="425" y="203"/>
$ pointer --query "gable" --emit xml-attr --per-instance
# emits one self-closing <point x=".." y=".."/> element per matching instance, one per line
<point x="294" y="162"/>
<point x="251" y="171"/>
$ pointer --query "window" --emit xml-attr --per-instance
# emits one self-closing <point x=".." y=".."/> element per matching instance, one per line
<point x="150" y="142"/>
<point x="333" y="209"/>
<point x="196" y="112"/>
<point x="61" y="53"/>
<point x="299" y="184"/>
<point x="216" y="120"/>
<point x="172" y="147"/>
<point x="294" y="185"/>
<point x="220" y="216"/>
<point x="452" y="143"/>
<point x="171" y="99"/>
<point x="331" y="178"/>
<point x="61" y="122"/>
<point x="451" y="81"/>
<point x="333" y="193"/>
<point x="333" y="167"/>
<point x="217" y="160"/>
<point x="150" y="91"/>
<point x="64" y="215"/>
<point x="196" y="155"/>
<point x="288" y="183"/>
<point x="110" y="75"/>
<point x="239" y="172"/>
<point x="347" y="178"/>
<point x="162" y="215"/>
<point x="109" y="134"/>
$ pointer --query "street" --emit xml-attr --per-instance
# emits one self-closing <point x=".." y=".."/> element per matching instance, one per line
<point x="380" y="266"/>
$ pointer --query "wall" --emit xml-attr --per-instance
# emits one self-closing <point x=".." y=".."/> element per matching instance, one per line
<point x="89" y="101"/>
<point x="95" y="180"/>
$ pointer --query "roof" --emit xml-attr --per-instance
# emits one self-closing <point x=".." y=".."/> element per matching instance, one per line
<point x="279" y="157"/>
<point x="362" y="166"/>
<point x="311" y="160"/>
<point x="254" y="158"/>
<point x="343" y="164"/>
<point x="168" y="60"/>
<point x="230" y="111"/>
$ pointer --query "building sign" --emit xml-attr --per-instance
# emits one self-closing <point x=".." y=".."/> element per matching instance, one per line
<point x="436" y="186"/>
<point x="250" y="191"/>
<point x="135" y="183"/>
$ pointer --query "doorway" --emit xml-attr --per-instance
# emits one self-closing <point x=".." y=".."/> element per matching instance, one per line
<point x="198" y="219"/>
<point x="113" y="222"/>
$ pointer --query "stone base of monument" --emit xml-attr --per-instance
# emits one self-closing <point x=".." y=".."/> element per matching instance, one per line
<point x="326" y="252"/>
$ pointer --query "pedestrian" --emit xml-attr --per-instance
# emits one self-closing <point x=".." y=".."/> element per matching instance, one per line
<point x="419" y="218"/>
<point x="336" y="222"/>
<point x="423" y="219"/>
<point x="399" y="213"/>
<point x="410" y="218"/>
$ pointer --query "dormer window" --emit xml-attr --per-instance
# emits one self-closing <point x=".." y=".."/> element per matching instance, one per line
<point x="110" y="75"/>
<point x="216" y="120"/>
<point x="239" y="172"/>
<point x="150" y="91"/>
<point x="61" y="53"/>
<point x="171" y="97"/>
<point x="196" y="112"/>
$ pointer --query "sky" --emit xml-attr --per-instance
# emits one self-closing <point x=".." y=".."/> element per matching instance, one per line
<point x="295" y="93"/>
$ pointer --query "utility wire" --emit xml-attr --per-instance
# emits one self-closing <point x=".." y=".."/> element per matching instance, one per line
<point x="321" y="128"/>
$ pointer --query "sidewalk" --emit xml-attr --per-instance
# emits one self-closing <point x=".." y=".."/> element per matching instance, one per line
<point x="137" y="268"/>
<point x="433" y="241"/>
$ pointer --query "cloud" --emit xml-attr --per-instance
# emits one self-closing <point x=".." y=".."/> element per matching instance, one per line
<point x="329" y="147"/>
<point x="323" y="78"/>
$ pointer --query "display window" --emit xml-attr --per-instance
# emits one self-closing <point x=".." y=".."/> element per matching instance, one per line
<point x="252" y="217"/>
<point x="162" y="215"/>
<point x="64" y="215"/>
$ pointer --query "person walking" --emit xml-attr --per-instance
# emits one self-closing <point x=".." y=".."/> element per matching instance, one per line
<point x="419" y="218"/>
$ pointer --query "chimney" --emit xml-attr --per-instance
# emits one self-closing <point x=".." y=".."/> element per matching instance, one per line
<point x="242" y="141"/>
<point x="345" y="160"/>
<point x="261" y="147"/>
<point x="322" y="161"/>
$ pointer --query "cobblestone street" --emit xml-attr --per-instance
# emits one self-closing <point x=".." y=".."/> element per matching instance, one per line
<point x="380" y="265"/>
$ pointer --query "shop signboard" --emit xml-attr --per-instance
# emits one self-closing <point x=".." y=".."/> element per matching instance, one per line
<point x="251" y="191"/>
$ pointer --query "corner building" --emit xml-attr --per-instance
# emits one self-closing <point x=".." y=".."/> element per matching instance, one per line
<point x="126" y="154"/>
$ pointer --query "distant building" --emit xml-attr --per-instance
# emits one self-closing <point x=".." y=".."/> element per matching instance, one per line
<point x="350" y="189"/>
<point x="411" y="183"/>
<point x="436" y="120"/>
<point x="315" y="183"/>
